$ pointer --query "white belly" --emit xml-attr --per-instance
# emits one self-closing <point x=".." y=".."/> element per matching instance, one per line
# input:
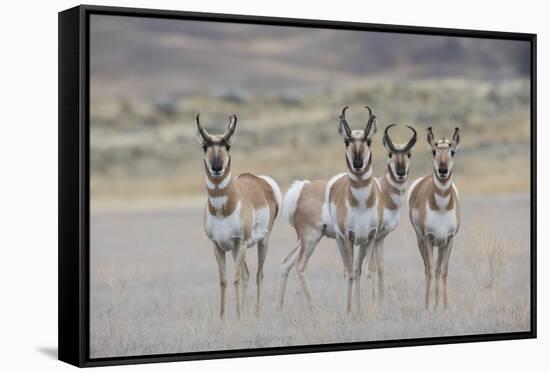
<point x="227" y="230"/>
<point x="440" y="225"/>
<point x="359" y="220"/>
<point x="390" y="220"/>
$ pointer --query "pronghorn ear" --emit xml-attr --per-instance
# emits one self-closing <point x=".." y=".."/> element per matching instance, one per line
<point x="342" y="130"/>
<point x="456" y="138"/>
<point x="202" y="136"/>
<point x="230" y="133"/>
<point x="343" y="126"/>
<point x="430" y="137"/>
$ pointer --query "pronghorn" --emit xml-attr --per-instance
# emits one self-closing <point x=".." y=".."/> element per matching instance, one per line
<point x="434" y="210"/>
<point x="345" y="208"/>
<point x="392" y="187"/>
<point x="240" y="212"/>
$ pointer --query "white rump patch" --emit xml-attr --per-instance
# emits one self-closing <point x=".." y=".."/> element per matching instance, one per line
<point x="291" y="199"/>
<point x="276" y="190"/>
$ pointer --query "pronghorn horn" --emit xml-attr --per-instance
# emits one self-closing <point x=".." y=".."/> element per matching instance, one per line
<point x="230" y="129"/>
<point x="205" y="135"/>
<point x="388" y="139"/>
<point x="412" y="141"/>
<point x="372" y="118"/>
<point x="344" y="122"/>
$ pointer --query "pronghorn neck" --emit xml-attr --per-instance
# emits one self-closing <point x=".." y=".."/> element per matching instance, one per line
<point x="220" y="189"/>
<point x="393" y="188"/>
<point x="360" y="183"/>
<point x="442" y="191"/>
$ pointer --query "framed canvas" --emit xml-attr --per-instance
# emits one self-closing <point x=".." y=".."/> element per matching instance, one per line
<point x="235" y="186"/>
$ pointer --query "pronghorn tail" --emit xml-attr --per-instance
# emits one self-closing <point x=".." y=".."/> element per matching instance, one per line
<point x="291" y="200"/>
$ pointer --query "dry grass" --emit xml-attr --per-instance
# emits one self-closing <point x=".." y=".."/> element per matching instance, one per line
<point x="154" y="286"/>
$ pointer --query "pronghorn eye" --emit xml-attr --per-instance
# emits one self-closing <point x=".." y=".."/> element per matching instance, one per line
<point x="433" y="152"/>
<point x="369" y="141"/>
<point x="408" y="154"/>
<point x="205" y="147"/>
<point x="389" y="155"/>
<point x="452" y="153"/>
<point x="346" y="141"/>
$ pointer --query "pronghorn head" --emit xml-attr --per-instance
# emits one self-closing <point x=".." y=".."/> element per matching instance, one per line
<point x="443" y="152"/>
<point x="399" y="154"/>
<point x="358" y="142"/>
<point x="216" y="147"/>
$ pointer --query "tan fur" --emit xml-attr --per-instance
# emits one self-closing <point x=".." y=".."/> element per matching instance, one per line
<point x="309" y="208"/>
<point x="259" y="193"/>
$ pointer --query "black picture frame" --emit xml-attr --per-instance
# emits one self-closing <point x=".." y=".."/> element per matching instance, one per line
<point x="74" y="193"/>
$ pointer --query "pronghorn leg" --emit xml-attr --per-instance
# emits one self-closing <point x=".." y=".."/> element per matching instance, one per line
<point x="244" y="286"/>
<point x="440" y="254"/>
<point x="245" y="275"/>
<point x="288" y="263"/>
<point x="364" y="252"/>
<point x="220" y="259"/>
<point x="347" y="258"/>
<point x="371" y="270"/>
<point x="445" y="270"/>
<point x="423" y="248"/>
<point x="240" y="257"/>
<point x="262" y="251"/>
<point x="429" y="270"/>
<point x="379" y="244"/>
<point x="308" y="245"/>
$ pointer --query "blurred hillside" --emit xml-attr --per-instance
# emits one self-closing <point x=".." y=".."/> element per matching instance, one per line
<point x="151" y="58"/>
<point x="143" y="148"/>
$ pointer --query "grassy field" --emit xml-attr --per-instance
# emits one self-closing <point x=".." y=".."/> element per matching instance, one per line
<point x="154" y="285"/>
